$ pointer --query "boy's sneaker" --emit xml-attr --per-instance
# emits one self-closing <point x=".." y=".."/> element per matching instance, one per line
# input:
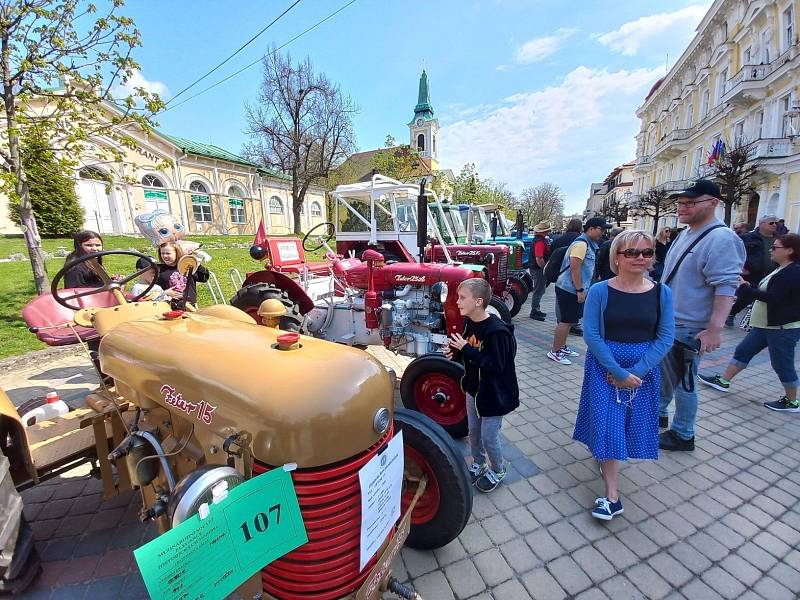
<point x="606" y="510"/>
<point x="716" y="382"/>
<point x="783" y="405"/>
<point x="491" y="479"/>
<point x="566" y="350"/>
<point x="559" y="357"/>
<point x="476" y="471"/>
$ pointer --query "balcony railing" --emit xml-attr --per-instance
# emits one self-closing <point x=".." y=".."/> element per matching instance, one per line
<point x="774" y="148"/>
<point x="673" y="186"/>
<point x="676" y="135"/>
<point x="761" y="72"/>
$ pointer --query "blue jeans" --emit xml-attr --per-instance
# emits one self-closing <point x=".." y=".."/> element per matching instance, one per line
<point x="671" y="385"/>
<point x="539" y="286"/>
<point x="781" y="344"/>
<point x="484" y="436"/>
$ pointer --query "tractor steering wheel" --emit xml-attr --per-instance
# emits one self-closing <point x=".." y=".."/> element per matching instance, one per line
<point x="322" y="238"/>
<point x="109" y="284"/>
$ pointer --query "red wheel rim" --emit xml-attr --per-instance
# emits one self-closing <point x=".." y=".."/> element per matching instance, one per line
<point x="519" y="287"/>
<point x="428" y="504"/>
<point x="430" y="389"/>
<point x="508" y="299"/>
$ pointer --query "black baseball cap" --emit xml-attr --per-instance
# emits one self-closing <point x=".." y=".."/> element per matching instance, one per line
<point x="701" y="187"/>
<point x="596" y="222"/>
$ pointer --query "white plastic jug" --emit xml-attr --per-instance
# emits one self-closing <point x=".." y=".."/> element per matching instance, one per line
<point x="52" y="407"/>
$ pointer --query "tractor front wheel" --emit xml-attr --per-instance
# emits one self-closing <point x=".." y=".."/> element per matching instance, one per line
<point x="518" y="283"/>
<point x="513" y="300"/>
<point x="249" y="298"/>
<point x="498" y="307"/>
<point x="431" y="384"/>
<point x="444" y="508"/>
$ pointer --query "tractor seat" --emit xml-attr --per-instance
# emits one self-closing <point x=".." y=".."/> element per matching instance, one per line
<point x="48" y="319"/>
<point x="286" y="255"/>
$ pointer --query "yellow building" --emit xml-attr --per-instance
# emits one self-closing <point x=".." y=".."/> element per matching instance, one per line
<point x="611" y="198"/>
<point x="211" y="190"/>
<point x="737" y="80"/>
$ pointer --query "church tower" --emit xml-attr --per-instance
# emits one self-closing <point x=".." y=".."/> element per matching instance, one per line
<point x="424" y="127"/>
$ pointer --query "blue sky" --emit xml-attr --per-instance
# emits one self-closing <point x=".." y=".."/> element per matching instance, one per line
<point x="529" y="90"/>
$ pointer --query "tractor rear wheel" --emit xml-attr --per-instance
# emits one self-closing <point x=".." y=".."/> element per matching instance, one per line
<point x="518" y="283"/>
<point x="444" y="508"/>
<point x="431" y="384"/>
<point x="526" y="278"/>
<point x="498" y="307"/>
<point x="250" y="298"/>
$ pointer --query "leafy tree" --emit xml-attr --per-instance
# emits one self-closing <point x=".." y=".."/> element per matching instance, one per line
<point x="398" y="162"/>
<point x="735" y="172"/>
<point x="469" y="188"/>
<point x="544" y="202"/>
<point x="301" y="124"/>
<point x="654" y="203"/>
<point x="59" y="62"/>
<point x="52" y="191"/>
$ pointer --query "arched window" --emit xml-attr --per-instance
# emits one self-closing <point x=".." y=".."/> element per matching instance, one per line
<point x="155" y="197"/>
<point x="236" y="205"/>
<point x="275" y="206"/>
<point x="316" y="209"/>
<point x="421" y="142"/>
<point x="201" y="202"/>
<point x="94" y="173"/>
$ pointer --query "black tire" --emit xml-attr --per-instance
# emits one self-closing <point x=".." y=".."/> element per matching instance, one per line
<point x="250" y="298"/>
<point x="447" y="471"/>
<point x="518" y="283"/>
<point x="517" y="300"/>
<point x="426" y="377"/>
<point x="527" y="279"/>
<point x="500" y="308"/>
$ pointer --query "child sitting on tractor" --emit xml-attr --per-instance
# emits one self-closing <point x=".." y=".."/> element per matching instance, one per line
<point x="180" y="289"/>
<point x="486" y="349"/>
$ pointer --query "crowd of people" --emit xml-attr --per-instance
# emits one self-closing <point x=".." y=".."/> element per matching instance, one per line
<point x="651" y="306"/>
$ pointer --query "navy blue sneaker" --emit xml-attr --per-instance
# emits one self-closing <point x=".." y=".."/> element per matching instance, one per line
<point x="606" y="510"/>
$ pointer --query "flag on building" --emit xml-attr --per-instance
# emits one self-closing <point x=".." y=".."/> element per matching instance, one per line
<point x="261" y="235"/>
<point x="717" y="152"/>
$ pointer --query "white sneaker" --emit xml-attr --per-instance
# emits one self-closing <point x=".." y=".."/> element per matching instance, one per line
<point x="567" y="351"/>
<point x="559" y="358"/>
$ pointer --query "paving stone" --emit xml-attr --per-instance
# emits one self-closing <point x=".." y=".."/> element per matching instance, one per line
<point x="725" y="535"/>
<point x="594" y="564"/>
<point x="503" y="499"/>
<point x="670" y="569"/>
<point x="498" y="529"/>
<point x="708" y="546"/>
<point x="648" y="581"/>
<point x="722" y="582"/>
<point x="464" y="579"/>
<point x="434" y="585"/>
<point x="543" y="545"/>
<point x="493" y="567"/>
<point x="519" y="556"/>
<point x="690" y="557"/>
<point x="592" y="594"/>
<point x="418" y="562"/>
<point x="543" y="511"/>
<point x="697" y="590"/>
<point x="450" y="553"/>
<point x="511" y="590"/>
<point x="741" y="569"/>
<point x="786" y="575"/>
<point x="637" y="542"/>
<point x="521" y="520"/>
<point x="565" y="504"/>
<point x="566" y="535"/>
<point x="694" y="515"/>
<point x="657" y="533"/>
<point x="621" y="587"/>
<point x="786" y="534"/>
<point x="769" y="589"/>
<point x="569" y="575"/>
<point x="542" y="586"/>
<point x="474" y="538"/>
<point x="741" y="525"/>
<point x="771" y="544"/>
<point x="756" y="556"/>
<point x="616" y="553"/>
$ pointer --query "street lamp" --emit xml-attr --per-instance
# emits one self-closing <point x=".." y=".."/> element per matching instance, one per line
<point x="794" y="121"/>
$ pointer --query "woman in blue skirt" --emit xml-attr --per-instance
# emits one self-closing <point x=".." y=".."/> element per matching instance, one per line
<point x="628" y="328"/>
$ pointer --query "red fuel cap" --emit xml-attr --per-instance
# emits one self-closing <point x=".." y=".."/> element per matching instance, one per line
<point x="287" y="340"/>
<point x="172" y="314"/>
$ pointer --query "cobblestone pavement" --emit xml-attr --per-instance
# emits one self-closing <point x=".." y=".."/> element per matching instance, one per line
<point x="720" y="522"/>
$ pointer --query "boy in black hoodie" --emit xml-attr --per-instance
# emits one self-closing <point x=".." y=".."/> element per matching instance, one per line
<point x="486" y="349"/>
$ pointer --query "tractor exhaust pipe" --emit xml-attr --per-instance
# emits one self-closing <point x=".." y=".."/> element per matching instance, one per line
<point x="520" y="224"/>
<point x="422" y="221"/>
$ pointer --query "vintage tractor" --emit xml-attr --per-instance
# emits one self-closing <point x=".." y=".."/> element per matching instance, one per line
<point x="193" y="399"/>
<point x="407" y="306"/>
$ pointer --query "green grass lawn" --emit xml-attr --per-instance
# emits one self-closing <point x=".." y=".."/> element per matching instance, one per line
<point x="16" y="278"/>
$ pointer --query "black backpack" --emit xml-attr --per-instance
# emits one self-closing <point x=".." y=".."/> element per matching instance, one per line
<point x="552" y="268"/>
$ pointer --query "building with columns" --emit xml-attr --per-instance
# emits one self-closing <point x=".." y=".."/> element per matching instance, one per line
<point x="737" y="82"/>
<point x="211" y="190"/>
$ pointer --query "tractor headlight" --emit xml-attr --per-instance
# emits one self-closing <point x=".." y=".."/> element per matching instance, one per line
<point x="489" y="259"/>
<point x="381" y="421"/>
<point x="439" y="291"/>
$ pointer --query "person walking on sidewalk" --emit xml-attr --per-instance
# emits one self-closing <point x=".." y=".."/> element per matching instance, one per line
<point x="628" y="326"/>
<point x="540" y="250"/>
<point x="774" y="323"/>
<point x="577" y="270"/>
<point x="573" y="230"/>
<point x="702" y="269"/>
<point x="758" y="263"/>
<point x="487" y="350"/>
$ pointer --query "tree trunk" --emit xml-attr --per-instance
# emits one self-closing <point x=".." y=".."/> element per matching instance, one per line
<point x="728" y="213"/>
<point x="655" y="220"/>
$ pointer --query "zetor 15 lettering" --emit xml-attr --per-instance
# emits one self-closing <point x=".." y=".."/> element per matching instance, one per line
<point x="201" y="409"/>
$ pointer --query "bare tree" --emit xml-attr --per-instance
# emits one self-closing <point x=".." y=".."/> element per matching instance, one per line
<point x="60" y="63"/>
<point x="545" y="202"/>
<point x="735" y="172"/>
<point x="301" y="125"/>
<point x="616" y="209"/>
<point x="654" y="203"/>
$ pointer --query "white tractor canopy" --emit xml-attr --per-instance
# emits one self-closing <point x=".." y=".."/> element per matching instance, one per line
<point x="379" y="210"/>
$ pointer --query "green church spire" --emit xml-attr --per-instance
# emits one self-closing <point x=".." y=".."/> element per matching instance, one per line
<point x="423" y="107"/>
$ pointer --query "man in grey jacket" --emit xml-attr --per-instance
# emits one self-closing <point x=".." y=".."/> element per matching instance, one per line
<point x="703" y="288"/>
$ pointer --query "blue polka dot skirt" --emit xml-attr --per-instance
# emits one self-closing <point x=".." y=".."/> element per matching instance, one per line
<point x="616" y="424"/>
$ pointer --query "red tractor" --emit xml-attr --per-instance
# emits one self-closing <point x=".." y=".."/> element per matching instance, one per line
<point x="408" y="307"/>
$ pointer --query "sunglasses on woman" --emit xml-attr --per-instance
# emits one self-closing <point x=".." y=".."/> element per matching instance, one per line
<point x="635" y="252"/>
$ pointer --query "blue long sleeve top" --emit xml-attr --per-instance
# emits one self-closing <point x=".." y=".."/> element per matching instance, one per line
<point x="594" y="334"/>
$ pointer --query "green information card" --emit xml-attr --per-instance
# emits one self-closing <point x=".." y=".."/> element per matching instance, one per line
<point x="258" y="522"/>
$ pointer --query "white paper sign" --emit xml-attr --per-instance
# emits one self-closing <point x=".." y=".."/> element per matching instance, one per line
<point x="288" y="251"/>
<point x="381" y="482"/>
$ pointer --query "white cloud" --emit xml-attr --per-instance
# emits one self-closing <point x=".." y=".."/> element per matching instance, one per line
<point x="540" y="48"/>
<point x="138" y="80"/>
<point x="655" y="30"/>
<point x="571" y="134"/>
